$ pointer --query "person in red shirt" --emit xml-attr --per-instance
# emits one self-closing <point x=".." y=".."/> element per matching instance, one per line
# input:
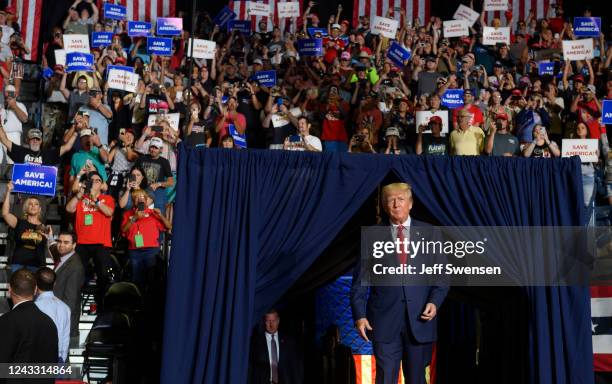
<point x="142" y="227"/>
<point x="93" y="213"/>
<point x="333" y="44"/>
<point x="468" y="104"/>
<point x="230" y="115"/>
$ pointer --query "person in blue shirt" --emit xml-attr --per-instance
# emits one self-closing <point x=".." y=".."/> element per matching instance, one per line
<point x="53" y="307"/>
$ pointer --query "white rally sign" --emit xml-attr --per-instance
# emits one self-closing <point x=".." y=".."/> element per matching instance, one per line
<point x="455" y="28"/>
<point x="385" y="27"/>
<point x="467" y="14"/>
<point x="496" y="5"/>
<point x="578" y="49"/>
<point x="288" y="9"/>
<point x="202" y="49"/>
<point x="258" y="9"/>
<point x="60" y="57"/>
<point x="492" y="36"/>
<point x="76" y="43"/>
<point x="171" y="118"/>
<point x="123" y="80"/>
<point x="585" y="148"/>
<point x="422" y="118"/>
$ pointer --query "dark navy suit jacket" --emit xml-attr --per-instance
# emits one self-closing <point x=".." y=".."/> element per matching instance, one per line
<point x="386" y="306"/>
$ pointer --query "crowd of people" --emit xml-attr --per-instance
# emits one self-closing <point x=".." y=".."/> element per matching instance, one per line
<point x="118" y="167"/>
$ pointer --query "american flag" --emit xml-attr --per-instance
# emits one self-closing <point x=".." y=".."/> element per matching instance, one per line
<point x="145" y="10"/>
<point x="365" y="370"/>
<point x="421" y="9"/>
<point x="601" y="327"/>
<point x="240" y="8"/>
<point x="28" y="14"/>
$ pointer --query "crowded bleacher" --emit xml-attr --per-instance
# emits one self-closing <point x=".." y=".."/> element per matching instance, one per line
<point x="120" y="97"/>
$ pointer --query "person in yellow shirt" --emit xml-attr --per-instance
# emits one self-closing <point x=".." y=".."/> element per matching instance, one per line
<point x="467" y="140"/>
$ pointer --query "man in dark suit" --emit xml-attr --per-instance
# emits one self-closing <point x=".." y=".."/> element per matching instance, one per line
<point x="28" y="335"/>
<point x="274" y="358"/>
<point x="400" y="320"/>
<point x="70" y="275"/>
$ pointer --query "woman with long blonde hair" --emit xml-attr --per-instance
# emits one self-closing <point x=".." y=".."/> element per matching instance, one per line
<point x="29" y="232"/>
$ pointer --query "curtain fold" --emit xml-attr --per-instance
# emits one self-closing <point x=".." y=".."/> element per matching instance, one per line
<point x="248" y="224"/>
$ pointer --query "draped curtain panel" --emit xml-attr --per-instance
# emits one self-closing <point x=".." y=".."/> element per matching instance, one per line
<point x="248" y="224"/>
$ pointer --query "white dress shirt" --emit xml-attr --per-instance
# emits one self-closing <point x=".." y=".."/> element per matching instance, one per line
<point x="405" y="224"/>
<point x="269" y="343"/>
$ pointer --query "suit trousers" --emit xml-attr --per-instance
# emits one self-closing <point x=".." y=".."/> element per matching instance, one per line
<point x="413" y="356"/>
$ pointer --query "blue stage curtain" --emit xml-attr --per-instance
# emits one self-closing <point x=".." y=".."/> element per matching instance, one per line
<point x="247" y="224"/>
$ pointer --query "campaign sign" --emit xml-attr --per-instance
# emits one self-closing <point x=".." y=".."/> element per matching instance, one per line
<point x="453" y="98"/>
<point x="171" y="118"/>
<point x="578" y="49"/>
<point x="548" y="68"/>
<point x="169" y="26"/>
<point x="288" y="9"/>
<point x="587" y="26"/>
<point x="423" y="117"/>
<point x="159" y="46"/>
<point x="455" y="28"/>
<point x="585" y="148"/>
<point x="76" y="43"/>
<point x="239" y="139"/>
<point x="492" y="36"/>
<point x="310" y="47"/>
<point x="122" y="80"/>
<point x="606" y="112"/>
<point x="259" y="9"/>
<point x="385" y="27"/>
<point x="495" y="5"/>
<point x="398" y="54"/>
<point x="242" y="26"/>
<point x="313" y="31"/>
<point x="467" y="14"/>
<point x="101" y="39"/>
<point x="34" y="179"/>
<point x="139" y="28"/>
<point x="115" y="11"/>
<point x="120" y="68"/>
<point x="224" y="16"/>
<point x="202" y="49"/>
<point x="266" y="78"/>
<point x="79" y="61"/>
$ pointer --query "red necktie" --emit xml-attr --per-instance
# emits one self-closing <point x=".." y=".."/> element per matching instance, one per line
<point x="402" y="256"/>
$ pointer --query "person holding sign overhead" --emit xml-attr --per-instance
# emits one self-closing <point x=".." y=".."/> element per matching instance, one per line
<point x="30" y="233"/>
<point x="12" y="116"/>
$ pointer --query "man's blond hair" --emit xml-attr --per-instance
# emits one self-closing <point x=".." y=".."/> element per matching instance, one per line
<point x="397" y="187"/>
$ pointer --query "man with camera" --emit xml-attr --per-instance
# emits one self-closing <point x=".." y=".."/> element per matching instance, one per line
<point x="433" y="143"/>
<point x="99" y="114"/>
<point x="92" y="222"/>
<point x="12" y="115"/>
<point x="427" y="79"/>
<point x="500" y="142"/>
<point x="303" y="141"/>
<point x="91" y="157"/>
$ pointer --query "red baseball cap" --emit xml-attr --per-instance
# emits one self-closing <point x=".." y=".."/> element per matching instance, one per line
<point x="579" y="78"/>
<point x="502" y="116"/>
<point x="435" y="119"/>
<point x="517" y="92"/>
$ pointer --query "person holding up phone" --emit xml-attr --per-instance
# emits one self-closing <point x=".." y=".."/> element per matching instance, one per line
<point x="142" y="226"/>
<point x="303" y="141"/>
<point x="12" y="116"/>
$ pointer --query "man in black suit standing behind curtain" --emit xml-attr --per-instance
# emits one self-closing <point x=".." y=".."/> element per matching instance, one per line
<point x="274" y="358"/>
<point x="28" y="335"/>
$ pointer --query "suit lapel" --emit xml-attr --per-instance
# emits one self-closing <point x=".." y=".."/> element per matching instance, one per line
<point x="65" y="265"/>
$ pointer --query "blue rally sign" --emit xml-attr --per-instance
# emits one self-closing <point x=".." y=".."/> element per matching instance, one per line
<point x="115" y="11"/>
<point x="587" y="26"/>
<point x="453" y="98"/>
<point x="34" y="179"/>
<point x="242" y="26"/>
<point x="606" y="112"/>
<point x="119" y="67"/>
<point x="266" y="78"/>
<point x="101" y="39"/>
<point x="159" y="46"/>
<point x="398" y="54"/>
<point x="224" y="16"/>
<point x="312" y="31"/>
<point x="239" y="139"/>
<point x="78" y="61"/>
<point x="310" y="47"/>
<point x="169" y="26"/>
<point x="139" y="28"/>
